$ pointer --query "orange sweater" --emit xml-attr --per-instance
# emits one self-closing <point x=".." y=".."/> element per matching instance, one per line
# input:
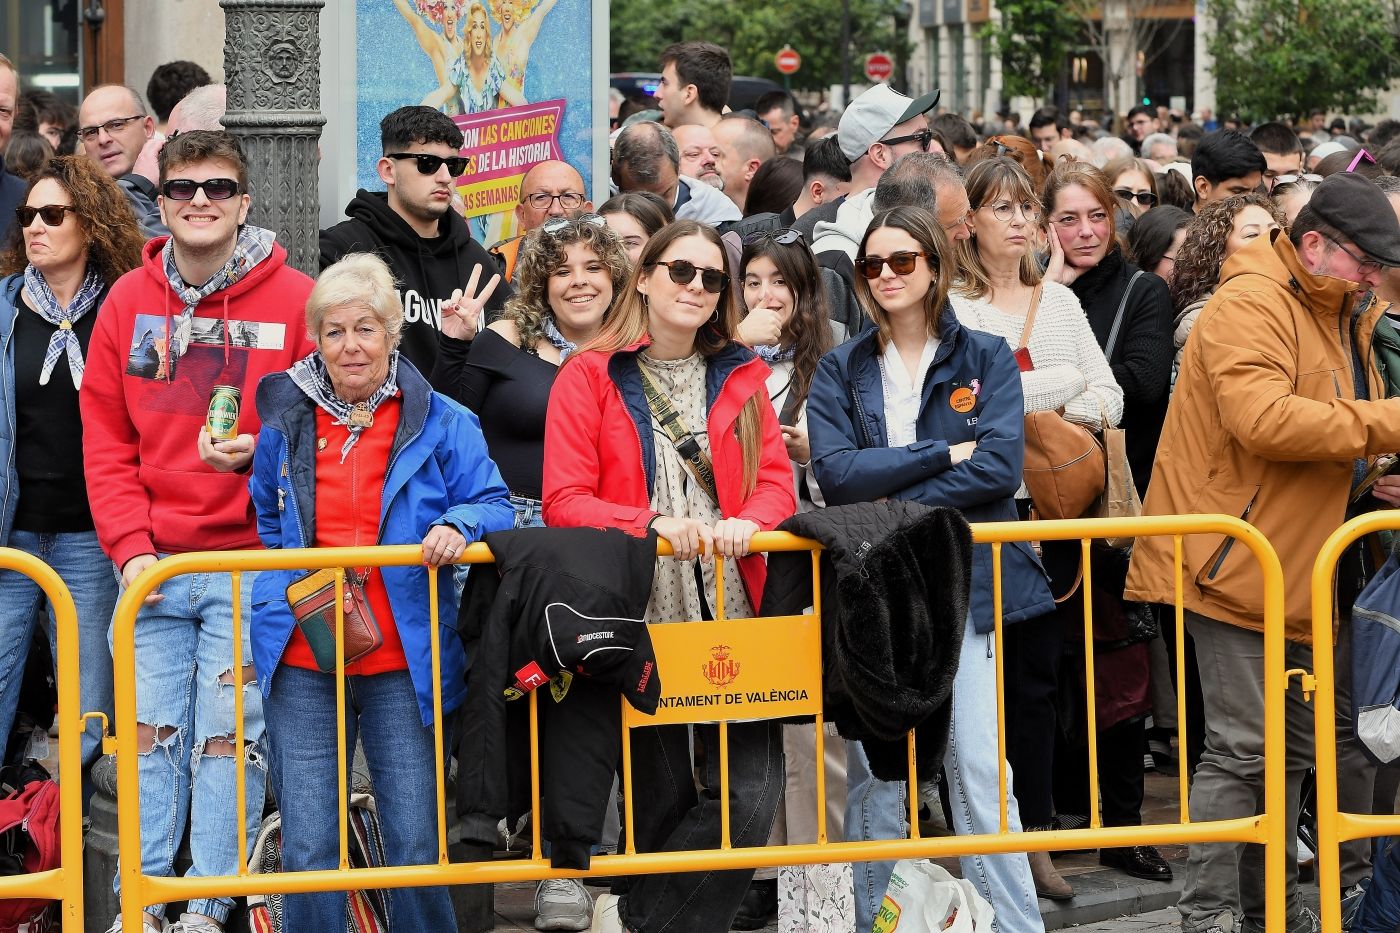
<point x="348" y="500"/>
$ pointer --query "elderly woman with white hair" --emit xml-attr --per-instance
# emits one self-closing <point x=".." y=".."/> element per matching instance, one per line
<point x="356" y="450"/>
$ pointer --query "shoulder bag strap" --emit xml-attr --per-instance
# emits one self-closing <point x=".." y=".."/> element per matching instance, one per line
<point x="695" y="457"/>
<point x="1030" y="316"/>
<point x="1118" y="318"/>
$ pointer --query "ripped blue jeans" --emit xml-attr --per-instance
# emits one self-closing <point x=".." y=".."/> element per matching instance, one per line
<point x="185" y="679"/>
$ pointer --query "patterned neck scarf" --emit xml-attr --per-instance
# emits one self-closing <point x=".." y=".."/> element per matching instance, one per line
<point x="311" y="377"/>
<point x="563" y="344"/>
<point x="253" y="246"/>
<point x="775" y="354"/>
<point x="64" y="318"/>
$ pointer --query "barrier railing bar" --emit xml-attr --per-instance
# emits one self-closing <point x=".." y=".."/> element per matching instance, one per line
<point x="341" y="751"/>
<point x="141" y="890"/>
<point x="435" y="643"/>
<point x="240" y="753"/>
<point x="1244" y="830"/>
<point x="1086" y="589"/>
<point x="630" y="829"/>
<point x="725" y="840"/>
<point x="535" y="772"/>
<point x="820" y="720"/>
<point x="999" y="633"/>
<point x="913" y="786"/>
<point x="1179" y="620"/>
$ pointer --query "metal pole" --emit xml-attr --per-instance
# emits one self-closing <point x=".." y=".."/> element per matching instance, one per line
<point x="845" y="53"/>
<point x="272" y="66"/>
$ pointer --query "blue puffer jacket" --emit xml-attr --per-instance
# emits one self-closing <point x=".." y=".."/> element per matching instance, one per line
<point x="439" y="473"/>
<point x="846" y="426"/>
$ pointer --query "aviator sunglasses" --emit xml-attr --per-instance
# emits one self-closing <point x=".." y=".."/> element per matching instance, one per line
<point x="428" y="164"/>
<point x="683" y="273"/>
<point x="215" y="189"/>
<point x="53" y="214"/>
<point x="900" y="263"/>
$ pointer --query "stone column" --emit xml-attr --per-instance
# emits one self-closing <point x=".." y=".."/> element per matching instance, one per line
<point x="272" y="66"/>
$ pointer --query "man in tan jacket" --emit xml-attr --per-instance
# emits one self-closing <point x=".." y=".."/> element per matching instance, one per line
<point x="1273" y="419"/>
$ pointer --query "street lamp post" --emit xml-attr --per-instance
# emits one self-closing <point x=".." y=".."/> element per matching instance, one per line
<point x="272" y="66"/>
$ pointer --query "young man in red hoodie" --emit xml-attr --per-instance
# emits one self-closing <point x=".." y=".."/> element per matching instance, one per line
<point x="213" y="304"/>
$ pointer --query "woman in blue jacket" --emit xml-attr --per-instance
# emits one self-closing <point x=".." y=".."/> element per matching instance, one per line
<point x="356" y="450"/>
<point x="922" y="408"/>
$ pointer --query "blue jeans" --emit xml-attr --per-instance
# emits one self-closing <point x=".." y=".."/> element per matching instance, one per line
<point x="184" y="690"/>
<point x="383" y="710"/>
<point x="79" y="560"/>
<point x="878" y="809"/>
<point x="529" y="513"/>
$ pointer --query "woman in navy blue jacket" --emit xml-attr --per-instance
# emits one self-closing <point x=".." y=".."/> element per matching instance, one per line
<point x="922" y="408"/>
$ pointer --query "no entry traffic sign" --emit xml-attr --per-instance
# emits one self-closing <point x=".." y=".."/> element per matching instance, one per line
<point x="879" y="67"/>
<point x="787" y="60"/>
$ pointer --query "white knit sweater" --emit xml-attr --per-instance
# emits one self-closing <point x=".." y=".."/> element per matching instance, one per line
<point x="1070" y="370"/>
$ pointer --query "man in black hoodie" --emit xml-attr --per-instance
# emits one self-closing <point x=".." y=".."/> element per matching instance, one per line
<point x="413" y="227"/>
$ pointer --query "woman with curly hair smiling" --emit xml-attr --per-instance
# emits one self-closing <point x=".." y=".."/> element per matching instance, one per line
<point x="1218" y="231"/>
<point x="75" y="236"/>
<point x="569" y="271"/>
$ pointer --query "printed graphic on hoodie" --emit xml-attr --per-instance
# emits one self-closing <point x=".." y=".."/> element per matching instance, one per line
<point x="149" y="356"/>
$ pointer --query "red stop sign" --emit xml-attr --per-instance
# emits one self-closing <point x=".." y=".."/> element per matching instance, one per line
<point x="788" y="61"/>
<point x="879" y="67"/>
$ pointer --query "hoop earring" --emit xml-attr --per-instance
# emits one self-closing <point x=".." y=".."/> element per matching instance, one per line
<point x="714" y="318"/>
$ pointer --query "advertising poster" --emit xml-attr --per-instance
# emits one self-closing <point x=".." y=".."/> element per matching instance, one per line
<point x="515" y="75"/>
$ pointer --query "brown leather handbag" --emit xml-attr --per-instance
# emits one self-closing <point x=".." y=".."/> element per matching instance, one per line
<point x="1065" y="470"/>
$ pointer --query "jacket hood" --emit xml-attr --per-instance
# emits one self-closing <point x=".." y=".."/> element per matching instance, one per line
<point x="155" y="268"/>
<point x="372" y="209"/>
<point x="707" y="204"/>
<point x="845" y="232"/>
<point x="1276" y="258"/>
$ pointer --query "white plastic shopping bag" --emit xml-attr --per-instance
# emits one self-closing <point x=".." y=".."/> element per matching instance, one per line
<point x="924" y="898"/>
<point x="816" y="899"/>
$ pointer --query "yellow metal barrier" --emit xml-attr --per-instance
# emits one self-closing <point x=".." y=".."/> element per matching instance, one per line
<point x="65" y="883"/>
<point x="1333" y="827"/>
<point x="802" y="646"/>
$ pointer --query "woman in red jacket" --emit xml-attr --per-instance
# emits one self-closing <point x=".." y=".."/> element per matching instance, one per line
<point x="719" y="476"/>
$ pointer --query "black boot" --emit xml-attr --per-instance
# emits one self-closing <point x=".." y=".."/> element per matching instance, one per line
<point x="1139" y="861"/>
<point x="759" y="907"/>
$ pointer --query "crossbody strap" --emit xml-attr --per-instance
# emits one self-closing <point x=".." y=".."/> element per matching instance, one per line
<point x="1030" y="317"/>
<point x="1118" y="318"/>
<point x="697" y="461"/>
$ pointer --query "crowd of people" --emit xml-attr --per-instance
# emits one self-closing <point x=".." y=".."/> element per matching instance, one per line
<point x="754" y="323"/>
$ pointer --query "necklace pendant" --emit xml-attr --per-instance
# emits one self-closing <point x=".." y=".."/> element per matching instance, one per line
<point x="361" y="416"/>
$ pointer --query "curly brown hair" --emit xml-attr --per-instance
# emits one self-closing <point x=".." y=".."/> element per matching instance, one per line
<point x="541" y="253"/>
<point x="108" y="223"/>
<point x="1202" y="253"/>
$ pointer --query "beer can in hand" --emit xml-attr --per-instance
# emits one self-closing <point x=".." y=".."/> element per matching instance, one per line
<point x="222" y="420"/>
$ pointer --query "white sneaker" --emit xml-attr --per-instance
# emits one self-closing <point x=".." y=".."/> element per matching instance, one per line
<point x="146" y="925"/>
<point x="605" y="918"/>
<point x="194" y="923"/>
<point x="562" y="904"/>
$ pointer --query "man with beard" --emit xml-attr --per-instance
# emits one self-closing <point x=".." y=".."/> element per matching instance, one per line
<point x="412" y="227"/>
<point x="700" y="153"/>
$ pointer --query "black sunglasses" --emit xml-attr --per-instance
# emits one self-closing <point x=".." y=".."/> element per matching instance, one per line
<point x="683" y="272"/>
<point x="785" y="237"/>
<point x="923" y="136"/>
<point x="215" y="189"/>
<point x="52" y="213"/>
<point x="900" y="263"/>
<point x="1145" y="198"/>
<point x="428" y="164"/>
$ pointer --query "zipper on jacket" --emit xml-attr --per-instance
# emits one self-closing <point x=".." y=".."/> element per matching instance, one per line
<point x="10" y="411"/>
<point x="1230" y="543"/>
<point x="860" y="414"/>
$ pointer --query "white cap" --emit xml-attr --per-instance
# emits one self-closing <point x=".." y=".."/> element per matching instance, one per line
<point x="1323" y="150"/>
<point x="873" y="114"/>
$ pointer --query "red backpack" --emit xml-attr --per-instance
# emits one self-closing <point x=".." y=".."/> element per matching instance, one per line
<point x="29" y="843"/>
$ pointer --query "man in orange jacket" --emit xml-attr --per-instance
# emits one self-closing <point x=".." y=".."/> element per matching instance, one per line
<point x="1277" y="410"/>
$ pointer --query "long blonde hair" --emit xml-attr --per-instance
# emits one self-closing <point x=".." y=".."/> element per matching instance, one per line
<point x="627" y="323"/>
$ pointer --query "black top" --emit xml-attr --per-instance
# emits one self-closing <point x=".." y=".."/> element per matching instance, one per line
<point x="48" y="431"/>
<point x="1142" y="357"/>
<point x="428" y="270"/>
<point x="509" y="391"/>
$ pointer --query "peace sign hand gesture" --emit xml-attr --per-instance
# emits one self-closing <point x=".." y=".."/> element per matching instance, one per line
<point x="461" y="313"/>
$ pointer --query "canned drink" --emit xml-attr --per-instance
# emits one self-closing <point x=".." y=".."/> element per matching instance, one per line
<point x="222" y="420"/>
